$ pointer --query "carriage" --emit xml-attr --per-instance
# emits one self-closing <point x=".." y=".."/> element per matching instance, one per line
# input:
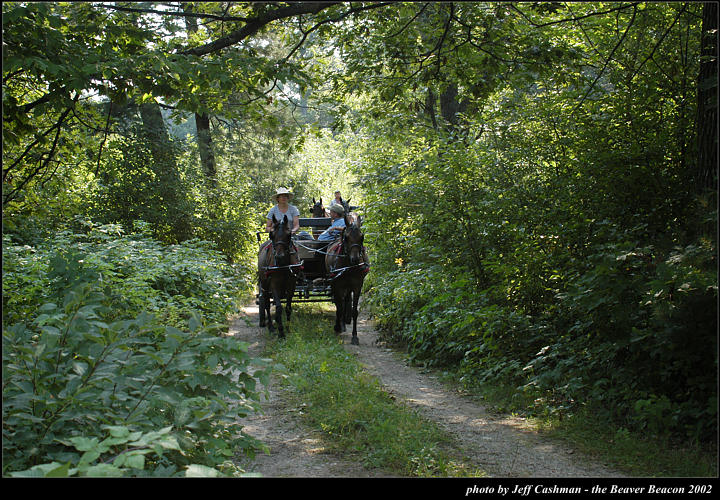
<point x="313" y="284"/>
<point x="300" y="268"/>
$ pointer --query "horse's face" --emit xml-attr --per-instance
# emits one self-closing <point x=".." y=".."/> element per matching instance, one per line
<point x="353" y="242"/>
<point x="318" y="210"/>
<point x="281" y="241"/>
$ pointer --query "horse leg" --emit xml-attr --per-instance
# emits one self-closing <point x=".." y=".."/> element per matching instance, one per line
<point x="277" y="296"/>
<point x="345" y="309"/>
<point x="267" y="304"/>
<point x="261" y="306"/>
<point x="355" y="300"/>
<point x="347" y="312"/>
<point x="264" y="307"/>
<point x="288" y="306"/>
<point x="268" y="300"/>
<point x="339" y="299"/>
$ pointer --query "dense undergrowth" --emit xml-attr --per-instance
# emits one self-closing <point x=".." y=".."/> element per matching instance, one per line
<point x="572" y="259"/>
<point x="581" y="291"/>
<point x="629" y="333"/>
<point x="115" y="361"/>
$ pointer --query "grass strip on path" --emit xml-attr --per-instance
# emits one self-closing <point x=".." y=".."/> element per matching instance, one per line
<point x="351" y="409"/>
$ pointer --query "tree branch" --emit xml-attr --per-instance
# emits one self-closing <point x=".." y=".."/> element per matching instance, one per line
<point x="440" y="43"/>
<point x="560" y="21"/>
<point x="425" y="5"/>
<point x="332" y="20"/>
<point x="102" y="144"/>
<point x="177" y="13"/>
<point x="43" y="163"/>
<point x="255" y="24"/>
<point x="607" y="61"/>
<point x="38" y="138"/>
<point x="662" y="38"/>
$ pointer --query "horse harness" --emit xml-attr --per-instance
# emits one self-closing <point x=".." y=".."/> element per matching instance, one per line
<point x="293" y="268"/>
<point x="337" y="251"/>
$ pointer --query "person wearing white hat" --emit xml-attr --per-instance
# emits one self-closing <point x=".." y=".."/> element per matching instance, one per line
<point x="282" y="197"/>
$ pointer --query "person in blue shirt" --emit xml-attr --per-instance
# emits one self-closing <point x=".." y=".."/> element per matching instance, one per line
<point x="337" y="214"/>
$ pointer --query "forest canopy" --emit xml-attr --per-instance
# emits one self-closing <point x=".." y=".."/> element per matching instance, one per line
<point x="538" y="182"/>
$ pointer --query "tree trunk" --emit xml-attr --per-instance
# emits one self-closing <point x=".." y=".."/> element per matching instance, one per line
<point x="207" y="158"/>
<point x="430" y="107"/>
<point x="706" y="173"/>
<point x="202" y="120"/>
<point x="171" y="198"/>
<point x="450" y="106"/>
<point x="156" y="133"/>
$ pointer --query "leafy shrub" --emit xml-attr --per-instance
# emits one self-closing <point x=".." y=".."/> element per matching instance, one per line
<point x="444" y="322"/>
<point x="630" y="333"/>
<point x="109" y="333"/>
<point x="638" y="336"/>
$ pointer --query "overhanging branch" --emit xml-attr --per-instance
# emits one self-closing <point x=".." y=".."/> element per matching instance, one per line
<point x="255" y="24"/>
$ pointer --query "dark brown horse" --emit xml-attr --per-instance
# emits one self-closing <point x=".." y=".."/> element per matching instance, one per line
<point x="277" y="263"/>
<point x="318" y="210"/>
<point x="346" y="264"/>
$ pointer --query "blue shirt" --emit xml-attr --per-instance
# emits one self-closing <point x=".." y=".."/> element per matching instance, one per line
<point x="329" y="235"/>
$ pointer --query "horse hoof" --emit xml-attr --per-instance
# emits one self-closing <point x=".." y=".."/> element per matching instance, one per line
<point x="355" y="341"/>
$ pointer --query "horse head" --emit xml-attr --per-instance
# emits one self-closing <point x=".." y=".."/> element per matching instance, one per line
<point x="281" y="240"/>
<point x="353" y="241"/>
<point x="318" y="210"/>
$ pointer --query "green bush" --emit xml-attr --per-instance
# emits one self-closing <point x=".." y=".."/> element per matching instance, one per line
<point x="104" y="333"/>
<point x="631" y="331"/>
<point x="637" y="330"/>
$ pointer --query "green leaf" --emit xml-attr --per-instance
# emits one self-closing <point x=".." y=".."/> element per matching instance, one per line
<point x="197" y="470"/>
<point x="88" y="457"/>
<point x="103" y="470"/>
<point x="37" y="471"/>
<point x="61" y="471"/>
<point x="135" y="461"/>
<point x="84" y="443"/>
<point x="118" y="431"/>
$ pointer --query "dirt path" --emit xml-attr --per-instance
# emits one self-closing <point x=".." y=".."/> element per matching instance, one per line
<point x="501" y="446"/>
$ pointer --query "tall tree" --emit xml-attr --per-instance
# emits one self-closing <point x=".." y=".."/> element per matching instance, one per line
<point x="707" y="101"/>
<point x="171" y="196"/>
<point x="202" y="120"/>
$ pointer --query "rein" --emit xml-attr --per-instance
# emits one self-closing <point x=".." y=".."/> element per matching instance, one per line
<point x="337" y="272"/>
<point x="274" y="269"/>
